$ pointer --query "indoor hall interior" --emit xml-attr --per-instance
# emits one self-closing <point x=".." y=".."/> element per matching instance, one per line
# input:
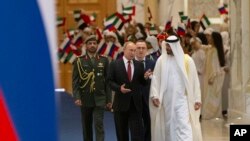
<point x="229" y="15"/>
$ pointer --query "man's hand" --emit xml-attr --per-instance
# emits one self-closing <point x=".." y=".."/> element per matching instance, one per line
<point x="210" y="81"/>
<point x="109" y="106"/>
<point x="147" y="74"/>
<point x="78" y="102"/>
<point x="197" y="106"/>
<point x="156" y="102"/>
<point x="124" y="90"/>
<point x="226" y="69"/>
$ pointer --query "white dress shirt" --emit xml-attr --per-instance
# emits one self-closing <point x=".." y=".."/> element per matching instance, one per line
<point x="125" y="60"/>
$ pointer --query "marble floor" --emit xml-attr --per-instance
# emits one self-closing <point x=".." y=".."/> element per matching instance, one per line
<point x="70" y="127"/>
<point x="219" y="129"/>
<point x="215" y="130"/>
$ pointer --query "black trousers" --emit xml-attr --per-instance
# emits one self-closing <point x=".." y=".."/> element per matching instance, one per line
<point x="146" y="121"/>
<point x="88" y="115"/>
<point x="129" y="120"/>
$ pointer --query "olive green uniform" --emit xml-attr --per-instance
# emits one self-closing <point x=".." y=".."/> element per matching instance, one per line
<point x="91" y="86"/>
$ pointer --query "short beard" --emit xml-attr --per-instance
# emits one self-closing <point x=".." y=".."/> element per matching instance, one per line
<point x="92" y="50"/>
<point x="170" y="53"/>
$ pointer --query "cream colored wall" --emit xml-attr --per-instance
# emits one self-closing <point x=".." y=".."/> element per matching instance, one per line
<point x="239" y="97"/>
<point x="168" y="8"/>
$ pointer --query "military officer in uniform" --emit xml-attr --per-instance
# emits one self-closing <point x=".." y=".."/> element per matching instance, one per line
<point x="90" y="89"/>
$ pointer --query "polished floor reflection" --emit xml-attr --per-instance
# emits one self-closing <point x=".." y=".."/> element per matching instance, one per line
<point x="70" y="123"/>
<point x="215" y="130"/>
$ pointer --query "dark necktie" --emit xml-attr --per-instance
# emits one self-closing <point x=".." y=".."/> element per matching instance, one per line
<point x="129" y="71"/>
<point x="143" y="61"/>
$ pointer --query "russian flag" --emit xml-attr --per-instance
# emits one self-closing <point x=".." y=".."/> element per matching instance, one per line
<point x="222" y="10"/>
<point x="181" y="31"/>
<point x="168" y="24"/>
<point x="113" y="50"/>
<point x="27" y="99"/>
<point x="102" y="47"/>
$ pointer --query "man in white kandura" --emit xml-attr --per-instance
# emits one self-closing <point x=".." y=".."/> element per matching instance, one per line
<point x="175" y="97"/>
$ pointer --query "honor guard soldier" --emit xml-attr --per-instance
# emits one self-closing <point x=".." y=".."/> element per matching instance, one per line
<point x="90" y="89"/>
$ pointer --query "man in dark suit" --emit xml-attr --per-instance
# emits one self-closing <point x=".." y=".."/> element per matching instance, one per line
<point x="149" y="64"/>
<point x="126" y="77"/>
<point x="91" y="90"/>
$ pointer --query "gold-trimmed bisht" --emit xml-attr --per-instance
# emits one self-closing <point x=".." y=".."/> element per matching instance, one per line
<point x="86" y="77"/>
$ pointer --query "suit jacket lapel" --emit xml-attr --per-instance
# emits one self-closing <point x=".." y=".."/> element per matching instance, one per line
<point x="135" y="70"/>
<point x="123" y="69"/>
<point x="146" y="64"/>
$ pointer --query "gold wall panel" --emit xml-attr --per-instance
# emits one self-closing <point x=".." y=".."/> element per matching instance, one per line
<point x="65" y="9"/>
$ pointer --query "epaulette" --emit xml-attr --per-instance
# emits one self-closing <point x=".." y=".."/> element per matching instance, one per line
<point x="85" y="57"/>
<point x="81" y="56"/>
<point x="104" y="56"/>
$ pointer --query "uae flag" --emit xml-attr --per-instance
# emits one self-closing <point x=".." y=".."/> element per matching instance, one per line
<point x="127" y="18"/>
<point x="109" y="20"/>
<point x="81" y="24"/>
<point x="92" y="17"/>
<point x="86" y="18"/>
<point x="77" y="40"/>
<point x="77" y="15"/>
<point x="129" y="10"/>
<point x="204" y="21"/>
<point x="153" y="30"/>
<point x="116" y="25"/>
<point x="116" y="21"/>
<point x="184" y="19"/>
<point x="61" y="21"/>
<point x="98" y="34"/>
<point x="70" y="33"/>
<point x="69" y="54"/>
<point x="66" y="42"/>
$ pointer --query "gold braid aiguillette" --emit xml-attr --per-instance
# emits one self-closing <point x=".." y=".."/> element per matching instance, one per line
<point x="86" y="77"/>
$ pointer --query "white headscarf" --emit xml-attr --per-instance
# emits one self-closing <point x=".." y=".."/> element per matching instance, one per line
<point x="154" y="43"/>
<point x="177" y="50"/>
